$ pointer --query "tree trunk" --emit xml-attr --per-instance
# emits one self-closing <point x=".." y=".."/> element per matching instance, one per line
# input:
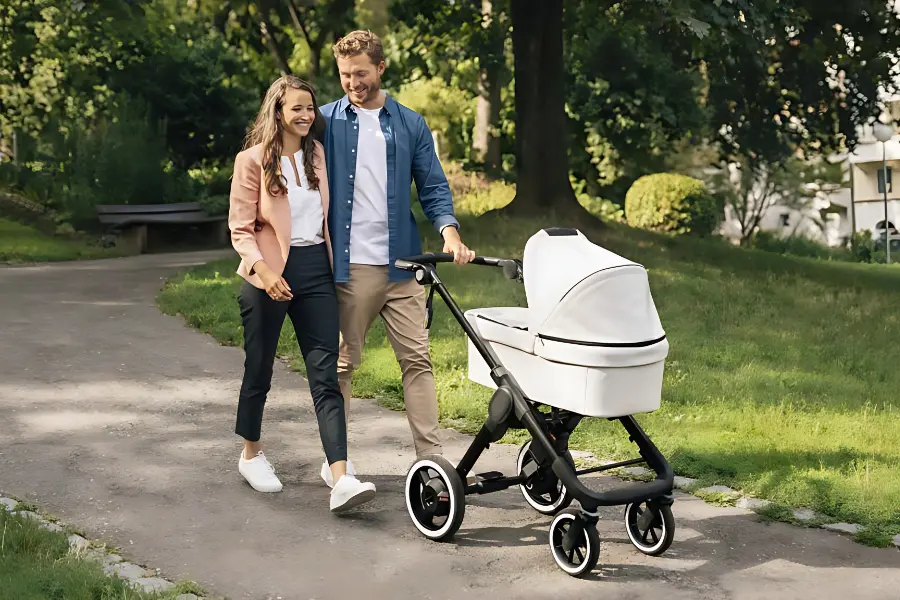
<point x="542" y="164"/>
<point x="486" y="139"/>
<point x="267" y="33"/>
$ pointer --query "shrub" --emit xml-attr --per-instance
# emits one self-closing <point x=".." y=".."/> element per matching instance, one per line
<point x="672" y="203"/>
<point x="449" y="112"/>
<point x="798" y="246"/>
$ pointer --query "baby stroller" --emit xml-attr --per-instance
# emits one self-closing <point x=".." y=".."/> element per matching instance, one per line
<point x="590" y="343"/>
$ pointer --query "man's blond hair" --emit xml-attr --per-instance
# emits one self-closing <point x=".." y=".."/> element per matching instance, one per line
<point x="359" y="42"/>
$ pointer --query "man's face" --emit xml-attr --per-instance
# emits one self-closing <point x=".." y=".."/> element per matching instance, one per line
<point x="360" y="78"/>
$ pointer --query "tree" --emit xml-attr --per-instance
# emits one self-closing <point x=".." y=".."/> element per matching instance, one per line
<point x="472" y="35"/>
<point x="542" y="161"/>
<point x="751" y="188"/>
<point x="55" y="58"/>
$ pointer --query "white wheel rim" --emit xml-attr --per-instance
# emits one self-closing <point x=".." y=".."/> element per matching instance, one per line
<point x="637" y="542"/>
<point x="410" y="476"/>
<point x="560" y="561"/>
<point x="541" y="508"/>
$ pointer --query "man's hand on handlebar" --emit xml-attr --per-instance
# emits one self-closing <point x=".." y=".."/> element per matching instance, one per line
<point x="454" y="245"/>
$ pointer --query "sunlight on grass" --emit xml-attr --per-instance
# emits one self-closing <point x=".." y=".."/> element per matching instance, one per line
<point x="36" y="564"/>
<point x="781" y="381"/>
<point x="22" y="244"/>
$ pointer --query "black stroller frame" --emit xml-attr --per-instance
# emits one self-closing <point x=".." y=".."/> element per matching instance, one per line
<point x="547" y="475"/>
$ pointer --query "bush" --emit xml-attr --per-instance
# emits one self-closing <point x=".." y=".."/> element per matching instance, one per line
<point x="449" y="112"/>
<point x="672" y="203"/>
<point x="798" y="246"/>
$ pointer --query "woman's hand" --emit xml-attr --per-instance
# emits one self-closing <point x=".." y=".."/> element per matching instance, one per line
<point x="275" y="286"/>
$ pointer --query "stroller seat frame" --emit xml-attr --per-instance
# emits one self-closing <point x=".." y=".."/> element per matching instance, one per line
<point x="436" y="489"/>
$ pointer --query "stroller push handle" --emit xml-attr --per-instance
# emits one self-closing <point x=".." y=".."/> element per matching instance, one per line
<point x="512" y="269"/>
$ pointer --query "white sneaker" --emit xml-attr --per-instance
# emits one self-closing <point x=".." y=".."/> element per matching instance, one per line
<point x="259" y="473"/>
<point x="350" y="492"/>
<point x="329" y="478"/>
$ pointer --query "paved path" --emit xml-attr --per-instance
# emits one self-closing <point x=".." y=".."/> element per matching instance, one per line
<point x="119" y="420"/>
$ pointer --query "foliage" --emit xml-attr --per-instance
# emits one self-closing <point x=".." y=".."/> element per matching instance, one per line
<point x="187" y="76"/>
<point x="23" y="244"/>
<point x="56" y="57"/>
<point x="449" y="112"/>
<point x="631" y="94"/>
<point x="797" y="245"/>
<point x="672" y="203"/>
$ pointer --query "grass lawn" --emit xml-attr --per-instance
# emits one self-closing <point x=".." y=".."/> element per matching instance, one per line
<point x="782" y="378"/>
<point x="22" y="244"/>
<point x="35" y="564"/>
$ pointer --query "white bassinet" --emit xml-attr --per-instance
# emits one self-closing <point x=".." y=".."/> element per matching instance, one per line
<point x="590" y="341"/>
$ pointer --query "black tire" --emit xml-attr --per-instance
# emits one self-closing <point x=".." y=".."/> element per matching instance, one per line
<point x="582" y="559"/>
<point x="435" y="491"/>
<point x="656" y="538"/>
<point x="545" y="501"/>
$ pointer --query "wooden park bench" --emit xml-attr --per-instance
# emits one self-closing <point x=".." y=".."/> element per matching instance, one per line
<point x="130" y="222"/>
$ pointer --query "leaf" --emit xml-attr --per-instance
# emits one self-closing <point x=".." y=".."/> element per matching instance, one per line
<point x="699" y="28"/>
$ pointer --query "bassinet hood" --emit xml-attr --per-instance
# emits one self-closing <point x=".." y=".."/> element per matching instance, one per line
<point x="580" y="293"/>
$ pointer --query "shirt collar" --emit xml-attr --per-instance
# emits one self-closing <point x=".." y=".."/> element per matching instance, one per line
<point x="390" y="105"/>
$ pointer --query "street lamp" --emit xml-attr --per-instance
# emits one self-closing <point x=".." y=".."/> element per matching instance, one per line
<point x="884" y="133"/>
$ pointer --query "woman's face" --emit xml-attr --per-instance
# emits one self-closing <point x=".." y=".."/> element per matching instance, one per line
<point x="297" y="112"/>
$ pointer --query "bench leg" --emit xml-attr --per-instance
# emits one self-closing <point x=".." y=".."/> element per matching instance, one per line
<point x="134" y="239"/>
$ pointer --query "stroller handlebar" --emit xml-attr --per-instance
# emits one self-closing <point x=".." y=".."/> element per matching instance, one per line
<point x="512" y="268"/>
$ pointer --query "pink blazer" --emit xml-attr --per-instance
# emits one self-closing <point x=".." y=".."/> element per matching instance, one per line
<point x="260" y="223"/>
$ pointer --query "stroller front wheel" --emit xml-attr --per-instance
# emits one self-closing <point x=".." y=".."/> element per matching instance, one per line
<point x="650" y="527"/>
<point x="435" y="497"/>
<point x="546" y="494"/>
<point x="574" y="543"/>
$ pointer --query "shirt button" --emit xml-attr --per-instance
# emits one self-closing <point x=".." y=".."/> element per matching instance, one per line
<point x="348" y="227"/>
<point x="351" y="177"/>
<point x="346" y="251"/>
<point x="353" y="151"/>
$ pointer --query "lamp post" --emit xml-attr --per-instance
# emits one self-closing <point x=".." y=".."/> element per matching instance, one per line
<point x="883" y="133"/>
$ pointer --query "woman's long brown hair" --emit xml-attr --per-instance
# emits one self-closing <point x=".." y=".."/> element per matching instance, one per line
<point x="267" y="130"/>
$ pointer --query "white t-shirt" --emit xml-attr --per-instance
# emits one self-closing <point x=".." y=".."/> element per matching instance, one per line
<point x="369" y="224"/>
<point x="307" y="217"/>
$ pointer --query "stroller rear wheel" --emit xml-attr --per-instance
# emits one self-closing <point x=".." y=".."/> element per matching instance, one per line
<point x="650" y="527"/>
<point x="544" y="492"/>
<point x="435" y="497"/>
<point x="574" y="543"/>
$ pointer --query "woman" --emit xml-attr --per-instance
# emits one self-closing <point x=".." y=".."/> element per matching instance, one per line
<point x="279" y="203"/>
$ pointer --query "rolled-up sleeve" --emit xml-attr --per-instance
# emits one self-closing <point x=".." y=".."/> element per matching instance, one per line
<point x="242" y="211"/>
<point x="431" y="182"/>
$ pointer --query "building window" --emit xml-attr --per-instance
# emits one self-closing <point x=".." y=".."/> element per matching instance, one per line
<point x="890" y="184"/>
<point x="785" y="219"/>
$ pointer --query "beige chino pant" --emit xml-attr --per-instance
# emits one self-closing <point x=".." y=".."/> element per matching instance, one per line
<point x="401" y="305"/>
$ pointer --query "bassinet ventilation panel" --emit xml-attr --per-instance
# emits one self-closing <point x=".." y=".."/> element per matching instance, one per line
<point x="590" y="341"/>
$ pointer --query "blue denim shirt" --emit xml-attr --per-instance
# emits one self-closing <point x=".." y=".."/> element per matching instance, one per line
<point x="410" y="157"/>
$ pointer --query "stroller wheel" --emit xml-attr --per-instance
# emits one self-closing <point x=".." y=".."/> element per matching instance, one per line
<point x="575" y="544"/>
<point x="650" y="527"/>
<point x="435" y="497"/>
<point x="544" y="493"/>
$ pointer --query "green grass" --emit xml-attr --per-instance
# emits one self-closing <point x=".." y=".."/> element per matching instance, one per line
<point x="22" y="244"/>
<point x="36" y="564"/>
<point x="781" y="381"/>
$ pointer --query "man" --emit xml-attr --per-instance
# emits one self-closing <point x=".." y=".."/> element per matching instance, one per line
<point x="374" y="149"/>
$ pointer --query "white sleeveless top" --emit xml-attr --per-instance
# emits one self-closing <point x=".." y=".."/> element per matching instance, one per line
<point x="307" y="217"/>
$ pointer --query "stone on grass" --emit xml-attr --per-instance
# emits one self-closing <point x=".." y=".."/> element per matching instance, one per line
<point x="9" y="504"/>
<point x="153" y="584"/>
<point x="78" y="543"/>
<point x="804" y="514"/>
<point x="753" y="503"/>
<point x="850" y="528"/>
<point x="187" y="597"/>
<point x="53" y="526"/>
<point x="683" y="482"/>
<point x="126" y="570"/>
<point x="636" y="471"/>
<point x="897" y="540"/>
<point x="717" y="489"/>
